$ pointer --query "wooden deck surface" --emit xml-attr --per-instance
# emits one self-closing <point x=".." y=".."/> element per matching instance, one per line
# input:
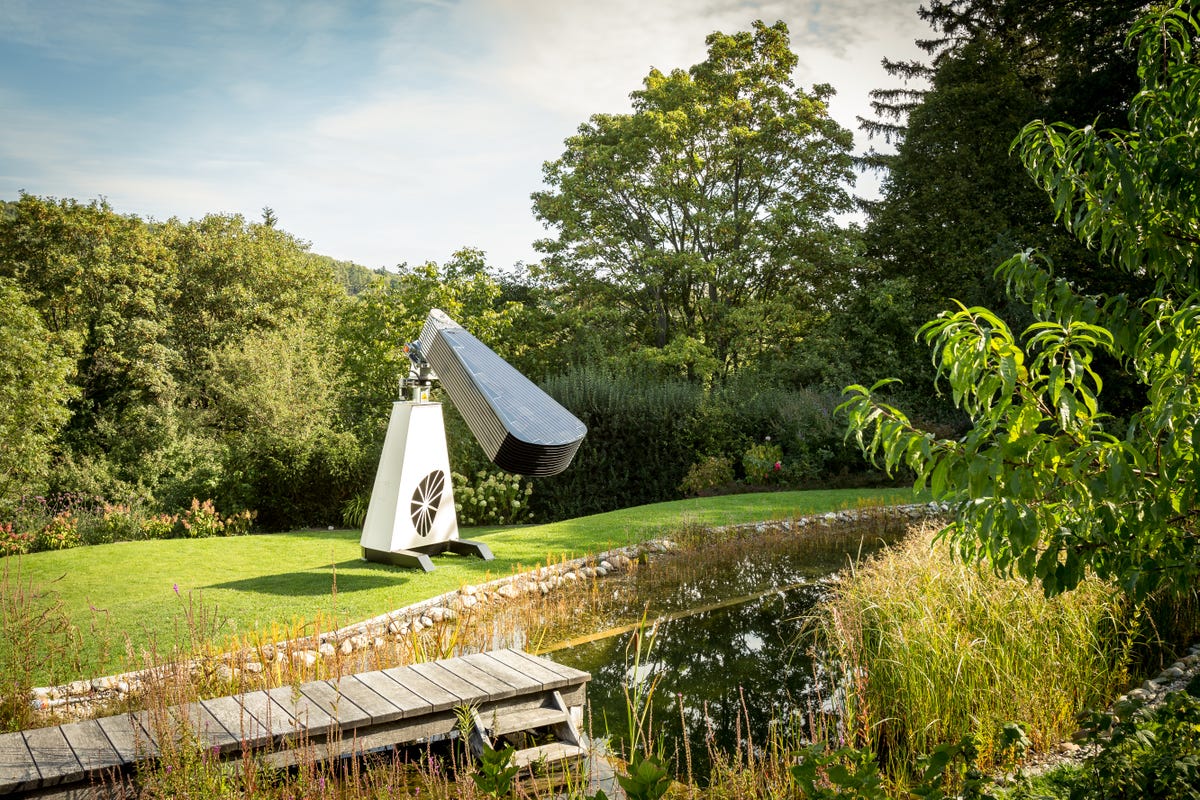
<point x="351" y="714"/>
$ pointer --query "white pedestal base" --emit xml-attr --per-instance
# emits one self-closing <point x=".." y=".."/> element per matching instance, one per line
<point x="411" y="515"/>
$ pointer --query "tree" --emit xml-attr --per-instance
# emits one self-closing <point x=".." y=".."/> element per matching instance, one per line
<point x="237" y="277"/>
<point x="274" y="398"/>
<point x="34" y="390"/>
<point x="955" y="200"/>
<point x="715" y="196"/>
<point x="377" y="323"/>
<point x="103" y="284"/>
<point x="1046" y="484"/>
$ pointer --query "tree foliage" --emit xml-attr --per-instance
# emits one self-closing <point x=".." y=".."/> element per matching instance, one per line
<point x="1046" y="483"/>
<point x="955" y="201"/>
<point x="34" y="391"/>
<point x="103" y="284"/>
<point x="712" y="200"/>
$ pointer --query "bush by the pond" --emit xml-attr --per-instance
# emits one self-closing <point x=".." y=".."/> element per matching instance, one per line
<point x="933" y="650"/>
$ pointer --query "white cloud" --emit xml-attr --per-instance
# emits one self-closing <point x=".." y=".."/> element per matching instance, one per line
<point x="398" y="136"/>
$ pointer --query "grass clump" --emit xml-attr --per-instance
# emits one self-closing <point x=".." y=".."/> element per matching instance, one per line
<point x="933" y="650"/>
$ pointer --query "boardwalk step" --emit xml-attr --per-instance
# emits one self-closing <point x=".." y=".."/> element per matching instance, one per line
<point x="525" y="720"/>
<point x="548" y="754"/>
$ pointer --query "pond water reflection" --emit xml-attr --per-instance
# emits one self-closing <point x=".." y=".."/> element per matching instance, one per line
<point x="727" y="653"/>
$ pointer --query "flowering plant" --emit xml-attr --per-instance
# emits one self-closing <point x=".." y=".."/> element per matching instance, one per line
<point x="495" y="498"/>
<point x="14" y="542"/>
<point x="763" y="463"/>
<point x="202" y="520"/>
<point x="60" y="533"/>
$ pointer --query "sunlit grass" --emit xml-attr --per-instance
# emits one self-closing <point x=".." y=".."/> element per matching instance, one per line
<point x="128" y="597"/>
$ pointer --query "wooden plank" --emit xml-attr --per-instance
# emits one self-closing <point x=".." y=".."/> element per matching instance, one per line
<point x="238" y="721"/>
<point x="570" y="673"/>
<point x="207" y="731"/>
<point x="405" y="731"/>
<point x="548" y="754"/>
<point x="402" y="697"/>
<point x="370" y="701"/>
<point x="534" y="669"/>
<point x="127" y="737"/>
<point x="55" y="759"/>
<point x="18" y="771"/>
<point x="491" y="685"/>
<point x="466" y="692"/>
<point x="308" y="716"/>
<point x="522" y="682"/>
<point x="91" y="746"/>
<point x="273" y="719"/>
<point x="524" y="719"/>
<point x="438" y="698"/>
<point x="325" y="696"/>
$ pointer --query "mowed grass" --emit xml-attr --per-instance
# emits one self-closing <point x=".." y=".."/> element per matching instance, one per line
<point x="127" y="598"/>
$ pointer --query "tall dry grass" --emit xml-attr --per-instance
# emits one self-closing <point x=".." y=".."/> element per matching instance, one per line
<point x="932" y="649"/>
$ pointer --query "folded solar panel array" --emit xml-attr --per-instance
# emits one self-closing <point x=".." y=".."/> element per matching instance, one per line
<point x="521" y="428"/>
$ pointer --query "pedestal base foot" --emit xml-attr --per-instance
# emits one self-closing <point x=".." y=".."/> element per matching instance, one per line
<point x="419" y="556"/>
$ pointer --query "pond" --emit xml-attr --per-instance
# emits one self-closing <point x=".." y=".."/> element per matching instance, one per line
<point x="721" y="644"/>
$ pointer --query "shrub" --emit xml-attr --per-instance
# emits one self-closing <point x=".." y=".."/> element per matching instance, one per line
<point x="494" y="498"/>
<point x="14" y="542"/>
<point x="201" y="520"/>
<point x="159" y="526"/>
<point x="60" y="533"/>
<point x="1152" y="754"/>
<point x="354" y="510"/>
<point x="643" y="433"/>
<point x="239" y="524"/>
<point x="109" y="523"/>
<point x="706" y="475"/>
<point x="763" y="463"/>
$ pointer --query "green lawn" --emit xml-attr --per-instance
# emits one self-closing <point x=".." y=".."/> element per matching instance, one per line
<point x="254" y="582"/>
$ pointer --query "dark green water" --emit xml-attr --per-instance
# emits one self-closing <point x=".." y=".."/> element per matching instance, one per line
<point x="725" y="674"/>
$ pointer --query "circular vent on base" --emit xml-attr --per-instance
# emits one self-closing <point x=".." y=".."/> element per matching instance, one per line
<point x="426" y="500"/>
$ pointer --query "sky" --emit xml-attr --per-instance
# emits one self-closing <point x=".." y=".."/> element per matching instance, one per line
<point x="380" y="132"/>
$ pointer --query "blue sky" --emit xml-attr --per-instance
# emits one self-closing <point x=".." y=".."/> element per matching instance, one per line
<point x="381" y="132"/>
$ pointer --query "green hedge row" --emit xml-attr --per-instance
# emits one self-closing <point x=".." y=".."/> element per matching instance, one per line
<point x="646" y="433"/>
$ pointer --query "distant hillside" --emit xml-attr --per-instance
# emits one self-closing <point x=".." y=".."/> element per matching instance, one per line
<point x="354" y="278"/>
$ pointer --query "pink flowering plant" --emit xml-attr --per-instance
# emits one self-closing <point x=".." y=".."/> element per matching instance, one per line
<point x="60" y="533"/>
<point x="202" y="520"/>
<point x="159" y="526"/>
<point x="14" y="542"/>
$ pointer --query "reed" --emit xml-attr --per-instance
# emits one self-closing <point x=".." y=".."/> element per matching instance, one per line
<point x="931" y="649"/>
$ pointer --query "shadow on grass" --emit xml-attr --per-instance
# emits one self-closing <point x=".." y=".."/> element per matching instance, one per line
<point x="352" y="576"/>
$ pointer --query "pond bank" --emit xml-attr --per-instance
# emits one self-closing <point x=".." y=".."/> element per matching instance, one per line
<point x="357" y="641"/>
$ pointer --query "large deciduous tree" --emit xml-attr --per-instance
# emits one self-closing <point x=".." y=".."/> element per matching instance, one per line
<point x="102" y="283"/>
<point x="1046" y="484"/>
<point x="34" y="391"/>
<point x="708" y="207"/>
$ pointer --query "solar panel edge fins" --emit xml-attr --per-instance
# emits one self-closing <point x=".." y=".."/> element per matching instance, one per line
<point x="520" y="427"/>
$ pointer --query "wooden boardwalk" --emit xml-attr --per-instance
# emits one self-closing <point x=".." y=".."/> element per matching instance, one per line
<point x="510" y="692"/>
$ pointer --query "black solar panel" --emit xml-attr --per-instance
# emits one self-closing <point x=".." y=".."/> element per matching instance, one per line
<point x="521" y="428"/>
